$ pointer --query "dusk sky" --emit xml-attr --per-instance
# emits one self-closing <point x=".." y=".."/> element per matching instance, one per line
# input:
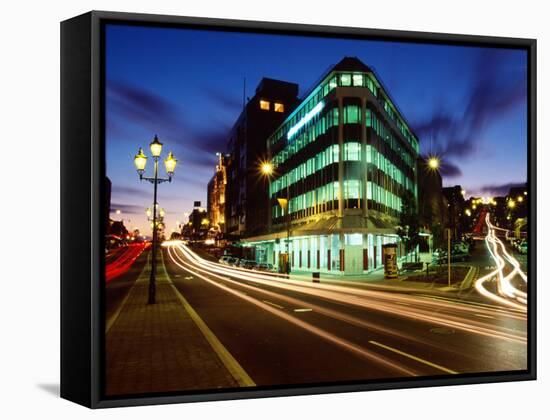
<point x="467" y="105"/>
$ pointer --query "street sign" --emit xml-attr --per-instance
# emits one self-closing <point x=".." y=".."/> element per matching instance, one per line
<point x="283" y="202"/>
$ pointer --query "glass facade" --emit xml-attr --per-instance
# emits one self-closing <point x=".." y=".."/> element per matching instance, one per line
<point x="331" y="253"/>
<point x="344" y="152"/>
<point x="306" y="151"/>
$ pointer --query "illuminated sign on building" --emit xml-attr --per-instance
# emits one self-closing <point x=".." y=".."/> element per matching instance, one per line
<point x="305" y="119"/>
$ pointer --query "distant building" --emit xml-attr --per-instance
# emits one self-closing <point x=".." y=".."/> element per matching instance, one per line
<point x="246" y="190"/>
<point x="500" y="212"/>
<point x="216" y="195"/>
<point x="456" y="205"/>
<point x="117" y="228"/>
<point x="432" y="204"/>
<point x="107" y="203"/>
<point x="344" y="159"/>
<point x="518" y="195"/>
<point x="198" y="223"/>
<point x="517" y="209"/>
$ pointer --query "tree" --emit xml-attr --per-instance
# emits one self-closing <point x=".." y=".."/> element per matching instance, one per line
<point x="409" y="225"/>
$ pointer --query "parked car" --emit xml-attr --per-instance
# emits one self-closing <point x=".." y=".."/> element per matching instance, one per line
<point x="225" y="259"/>
<point x="265" y="267"/>
<point x="518" y="244"/>
<point x="457" y="254"/>
<point x="460" y="246"/>
<point x="247" y="264"/>
<point x="234" y="261"/>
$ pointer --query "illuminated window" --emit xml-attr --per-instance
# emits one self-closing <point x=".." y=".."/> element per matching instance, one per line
<point x="357" y="80"/>
<point x="352" y="114"/>
<point x="345" y="79"/>
<point x="279" y="107"/>
<point x="352" y="188"/>
<point x="335" y="153"/>
<point x="371" y="86"/>
<point x="369" y="190"/>
<point x="264" y="105"/>
<point x="352" y="151"/>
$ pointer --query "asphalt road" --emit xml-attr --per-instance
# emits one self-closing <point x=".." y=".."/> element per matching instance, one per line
<point x="290" y="332"/>
<point x="117" y="289"/>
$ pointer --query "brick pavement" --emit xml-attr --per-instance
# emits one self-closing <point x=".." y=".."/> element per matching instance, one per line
<point x="160" y="348"/>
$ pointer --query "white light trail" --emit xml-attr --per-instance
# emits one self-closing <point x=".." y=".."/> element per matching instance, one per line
<point x="507" y="294"/>
<point x="358" y="350"/>
<point x="421" y="309"/>
<point x="297" y="283"/>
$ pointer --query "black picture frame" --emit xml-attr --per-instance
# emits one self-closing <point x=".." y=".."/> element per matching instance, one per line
<point x="82" y="204"/>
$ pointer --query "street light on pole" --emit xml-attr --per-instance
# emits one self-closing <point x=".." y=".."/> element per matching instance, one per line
<point x="140" y="161"/>
<point x="434" y="163"/>
<point x="267" y="169"/>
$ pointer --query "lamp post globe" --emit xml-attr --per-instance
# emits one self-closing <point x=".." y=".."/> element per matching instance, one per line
<point x="140" y="161"/>
<point x="156" y="147"/>
<point x="170" y="164"/>
<point x="266" y="168"/>
<point x="433" y="163"/>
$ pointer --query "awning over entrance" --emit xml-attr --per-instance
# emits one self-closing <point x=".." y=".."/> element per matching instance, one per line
<point x="334" y="225"/>
<point x="347" y="224"/>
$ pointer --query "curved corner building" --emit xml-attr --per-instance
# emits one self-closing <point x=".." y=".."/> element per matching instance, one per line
<point x="343" y="158"/>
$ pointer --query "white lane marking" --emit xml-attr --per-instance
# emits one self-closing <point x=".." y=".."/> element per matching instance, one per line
<point x="273" y="304"/>
<point x="349" y="346"/>
<point x="350" y="299"/>
<point x="485" y="316"/>
<point x="410" y="356"/>
<point x="501" y="310"/>
<point x="303" y="310"/>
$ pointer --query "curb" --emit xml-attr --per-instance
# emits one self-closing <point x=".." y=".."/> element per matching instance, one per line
<point x="467" y="282"/>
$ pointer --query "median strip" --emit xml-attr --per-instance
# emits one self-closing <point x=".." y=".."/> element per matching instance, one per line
<point x="410" y="356"/>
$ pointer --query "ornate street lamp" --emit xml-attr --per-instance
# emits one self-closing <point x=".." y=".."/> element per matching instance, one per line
<point x="140" y="161"/>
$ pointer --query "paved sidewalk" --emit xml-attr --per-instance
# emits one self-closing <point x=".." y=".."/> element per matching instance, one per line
<point x="162" y="347"/>
<point x="376" y="280"/>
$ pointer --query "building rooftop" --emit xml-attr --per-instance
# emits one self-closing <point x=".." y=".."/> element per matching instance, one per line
<point x="277" y="87"/>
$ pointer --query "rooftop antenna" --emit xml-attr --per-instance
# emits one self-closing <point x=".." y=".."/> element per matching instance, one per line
<point x="244" y="92"/>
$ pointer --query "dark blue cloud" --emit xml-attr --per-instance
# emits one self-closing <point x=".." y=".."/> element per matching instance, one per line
<point x="500" y="189"/>
<point x="127" y="208"/>
<point x="457" y="132"/>
<point x="449" y="170"/>
<point x="159" y="115"/>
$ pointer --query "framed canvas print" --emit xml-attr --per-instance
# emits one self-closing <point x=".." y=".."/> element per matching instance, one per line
<point x="256" y="209"/>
